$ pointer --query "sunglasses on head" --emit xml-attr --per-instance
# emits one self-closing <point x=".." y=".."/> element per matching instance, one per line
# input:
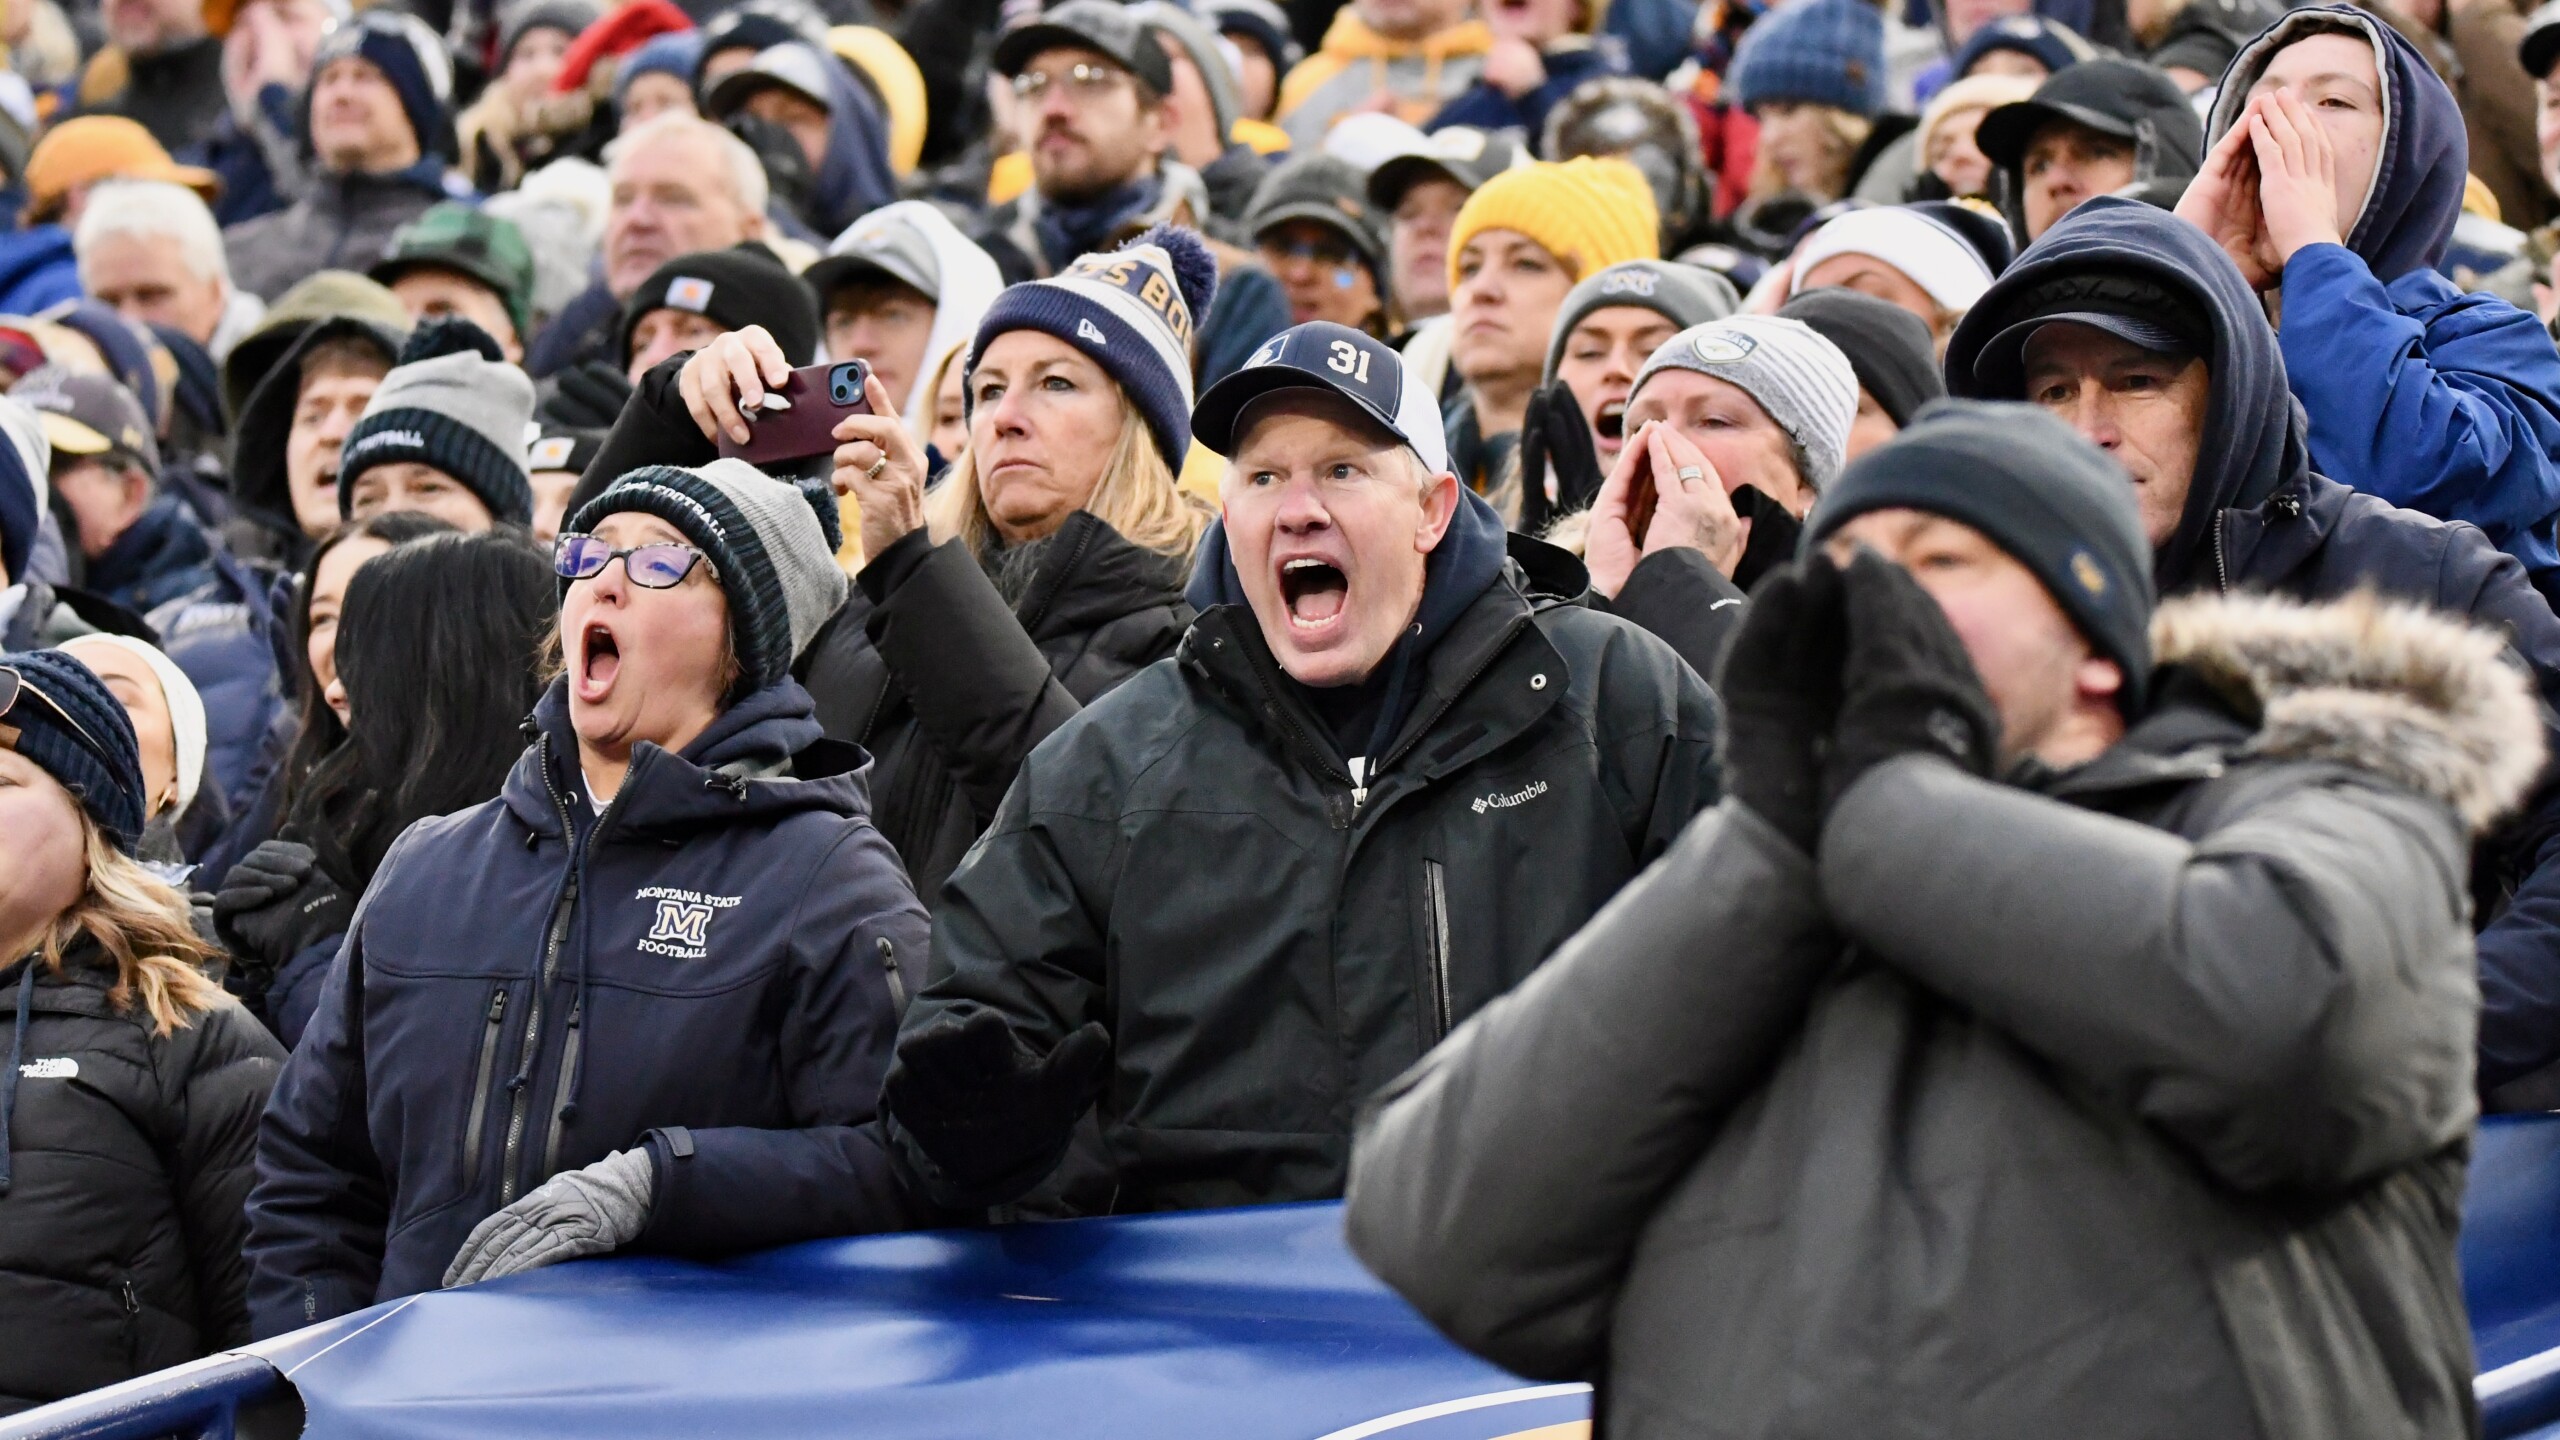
<point x="651" y="567"/>
<point x="15" y="687"/>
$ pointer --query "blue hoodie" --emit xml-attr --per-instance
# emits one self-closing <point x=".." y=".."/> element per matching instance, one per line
<point x="855" y="178"/>
<point x="37" y="269"/>
<point x="2259" y="518"/>
<point x="711" y="969"/>
<point x="2444" y="402"/>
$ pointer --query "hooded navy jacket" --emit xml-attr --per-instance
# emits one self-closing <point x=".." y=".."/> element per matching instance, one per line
<point x="2258" y="517"/>
<point x="854" y="178"/>
<point x="712" y="968"/>
<point x="2444" y="402"/>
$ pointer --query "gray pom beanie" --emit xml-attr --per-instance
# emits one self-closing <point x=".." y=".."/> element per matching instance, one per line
<point x="1801" y="379"/>
<point x="762" y="535"/>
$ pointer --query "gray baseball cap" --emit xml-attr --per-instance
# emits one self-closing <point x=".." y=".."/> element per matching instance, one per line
<point x="878" y="244"/>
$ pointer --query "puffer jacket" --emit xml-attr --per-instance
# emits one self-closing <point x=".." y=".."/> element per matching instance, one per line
<point x="2259" y="517"/>
<point x="1356" y="63"/>
<point x="711" y="968"/>
<point x="2136" y="1107"/>
<point x="127" y="1160"/>
<point x="949" y="687"/>
<point x="1192" y="863"/>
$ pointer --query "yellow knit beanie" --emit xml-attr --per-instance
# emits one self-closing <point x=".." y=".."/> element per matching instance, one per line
<point x="1590" y="212"/>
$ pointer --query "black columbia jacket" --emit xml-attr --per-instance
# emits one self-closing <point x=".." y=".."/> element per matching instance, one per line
<point x="127" y="1168"/>
<point x="1190" y="862"/>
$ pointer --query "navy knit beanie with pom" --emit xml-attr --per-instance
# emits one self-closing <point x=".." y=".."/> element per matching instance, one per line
<point x="82" y="739"/>
<point x="1131" y="312"/>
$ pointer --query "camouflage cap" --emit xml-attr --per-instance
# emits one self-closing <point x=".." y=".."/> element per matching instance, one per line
<point x="450" y="235"/>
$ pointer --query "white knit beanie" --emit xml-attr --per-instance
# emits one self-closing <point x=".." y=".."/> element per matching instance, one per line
<point x="186" y="709"/>
<point x="1933" y="256"/>
<point x="1800" y="378"/>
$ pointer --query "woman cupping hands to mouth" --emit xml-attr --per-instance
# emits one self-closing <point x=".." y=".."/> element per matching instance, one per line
<point x="663" y="967"/>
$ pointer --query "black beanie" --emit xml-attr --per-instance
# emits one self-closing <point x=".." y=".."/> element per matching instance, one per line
<point x="735" y="288"/>
<point x="1889" y="347"/>
<point x="2056" y="503"/>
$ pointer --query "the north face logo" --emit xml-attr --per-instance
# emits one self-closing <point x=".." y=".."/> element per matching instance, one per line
<point x="56" y="1067"/>
<point x="681" y="927"/>
<point x="1087" y="330"/>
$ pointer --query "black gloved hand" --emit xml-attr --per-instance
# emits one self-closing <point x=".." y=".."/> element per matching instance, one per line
<point x="991" y="1116"/>
<point x="277" y="903"/>
<point x="1556" y="454"/>
<point x="1780" y="685"/>
<point x="1908" y="684"/>
<point x="587" y="397"/>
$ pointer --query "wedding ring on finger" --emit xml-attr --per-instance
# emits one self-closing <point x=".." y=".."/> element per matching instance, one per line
<point x="1691" y="472"/>
<point x="873" y="471"/>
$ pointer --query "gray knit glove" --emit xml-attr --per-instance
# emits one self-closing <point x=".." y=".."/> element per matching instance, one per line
<point x="573" y="1214"/>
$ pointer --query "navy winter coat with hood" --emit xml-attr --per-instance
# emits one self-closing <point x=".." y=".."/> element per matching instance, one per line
<point x="854" y="179"/>
<point x="2444" y="402"/>
<point x="2260" y="517"/>
<point x="712" y="969"/>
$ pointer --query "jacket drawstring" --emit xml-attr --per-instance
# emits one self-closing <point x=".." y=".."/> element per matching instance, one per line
<point x="17" y="1057"/>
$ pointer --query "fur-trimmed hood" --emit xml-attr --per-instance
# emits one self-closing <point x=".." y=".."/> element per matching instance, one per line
<point x="2410" y="694"/>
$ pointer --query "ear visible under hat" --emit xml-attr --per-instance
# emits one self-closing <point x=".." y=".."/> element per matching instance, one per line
<point x="450" y="335"/>
<point x="1195" y="270"/>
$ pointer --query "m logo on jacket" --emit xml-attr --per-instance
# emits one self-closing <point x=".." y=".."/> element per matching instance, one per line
<point x="682" y="928"/>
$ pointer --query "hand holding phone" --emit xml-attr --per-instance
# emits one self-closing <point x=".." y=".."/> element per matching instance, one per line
<point x="796" y="420"/>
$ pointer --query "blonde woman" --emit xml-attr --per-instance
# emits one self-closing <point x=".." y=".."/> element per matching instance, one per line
<point x="1045" y="568"/>
<point x="1812" y="75"/>
<point x="133" y="1084"/>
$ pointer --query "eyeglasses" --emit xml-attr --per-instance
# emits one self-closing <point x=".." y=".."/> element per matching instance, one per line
<point x="651" y="567"/>
<point x="15" y="686"/>
<point x="1331" y="254"/>
<point x="1085" y="81"/>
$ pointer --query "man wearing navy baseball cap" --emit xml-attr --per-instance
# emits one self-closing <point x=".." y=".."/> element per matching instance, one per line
<point x="1376" y="787"/>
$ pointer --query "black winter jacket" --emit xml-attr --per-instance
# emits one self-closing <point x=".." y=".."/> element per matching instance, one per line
<point x="949" y="687"/>
<point x="127" y="1172"/>
<point x="1191" y="863"/>
<point x="710" y="968"/>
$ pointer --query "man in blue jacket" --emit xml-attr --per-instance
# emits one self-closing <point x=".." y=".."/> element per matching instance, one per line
<point x="2133" y="327"/>
<point x="2333" y="179"/>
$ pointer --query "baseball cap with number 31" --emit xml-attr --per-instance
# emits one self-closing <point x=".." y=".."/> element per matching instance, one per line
<point x="1321" y="355"/>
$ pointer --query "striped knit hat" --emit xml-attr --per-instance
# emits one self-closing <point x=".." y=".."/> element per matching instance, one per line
<point x="1801" y="379"/>
<point x="1590" y="212"/>
<point x="1131" y="312"/>
<point x="454" y="403"/>
<point x="762" y="535"/>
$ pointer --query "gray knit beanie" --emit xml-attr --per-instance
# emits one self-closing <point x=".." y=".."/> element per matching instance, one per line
<point x="1685" y="295"/>
<point x="452" y="403"/>
<point x="1801" y="379"/>
<point x="762" y="535"/>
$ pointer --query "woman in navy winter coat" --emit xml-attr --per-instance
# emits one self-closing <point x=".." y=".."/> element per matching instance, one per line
<point x="645" y="998"/>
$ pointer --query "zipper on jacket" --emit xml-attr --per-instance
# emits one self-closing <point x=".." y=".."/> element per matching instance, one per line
<point x="481" y="1075"/>
<point x="132" y="1322"/>
<point x="1435" y="900"/>
<point x="1414" y="733"/>
<point x="897" y="982"/>
<point x="2221" y="566"/>
<point x="559" y="1094"/>
<point x="1075" y="557"/>
<point x="559" y="931"/>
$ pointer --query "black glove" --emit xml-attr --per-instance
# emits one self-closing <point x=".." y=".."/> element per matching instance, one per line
<point x="587" y="397"/>
<point x="275" y="904"/>
<point x="1908" y="684"/>
<point x="1780" y="684"/>
<point x="992" y="1117"/>
<point x="1556" y="453"/>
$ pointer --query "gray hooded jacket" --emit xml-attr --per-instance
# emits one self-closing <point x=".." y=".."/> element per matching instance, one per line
<point x="2137" y="1107"/>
